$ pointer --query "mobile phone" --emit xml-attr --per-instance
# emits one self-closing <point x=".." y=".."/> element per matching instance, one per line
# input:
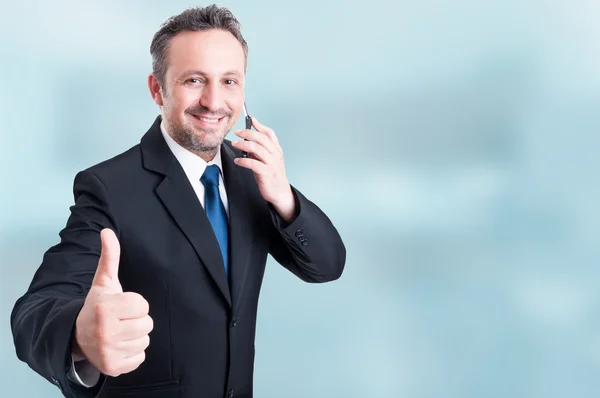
<point x="248" y="127"/>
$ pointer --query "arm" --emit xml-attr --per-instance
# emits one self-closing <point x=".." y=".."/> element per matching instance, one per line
<point x="43" y="320"/>
<point x="303" y="239"/>
<point x="309" y="246"/>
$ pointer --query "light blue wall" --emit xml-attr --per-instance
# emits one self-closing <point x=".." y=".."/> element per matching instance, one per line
<point x="455" y="145"/>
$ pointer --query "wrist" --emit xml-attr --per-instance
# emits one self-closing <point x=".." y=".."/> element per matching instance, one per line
<point x="286" y="206"/>
<point x="76" y="351"/>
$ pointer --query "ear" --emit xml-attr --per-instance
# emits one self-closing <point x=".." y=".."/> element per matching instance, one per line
<point x="155" y="90"/>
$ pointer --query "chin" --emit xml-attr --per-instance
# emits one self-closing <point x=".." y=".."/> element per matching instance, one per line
<point x="209" y="136"/>
<point x="213" y="139"/>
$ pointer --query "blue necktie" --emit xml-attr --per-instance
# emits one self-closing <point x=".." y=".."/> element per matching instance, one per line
<point x="215" y="210"/>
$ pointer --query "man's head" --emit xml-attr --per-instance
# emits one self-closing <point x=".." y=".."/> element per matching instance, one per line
<point x="198" y="70"/>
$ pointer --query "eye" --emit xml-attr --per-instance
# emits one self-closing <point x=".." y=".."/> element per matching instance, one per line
<point x="229" y="82"/>
<point x="193" y="80"/>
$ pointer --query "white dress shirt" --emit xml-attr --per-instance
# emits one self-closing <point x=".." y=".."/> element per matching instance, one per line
<point x="83" y="372"/>
<point x="194" y="167"/>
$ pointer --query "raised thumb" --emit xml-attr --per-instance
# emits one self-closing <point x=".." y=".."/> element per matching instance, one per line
<point x="107" y="273"/>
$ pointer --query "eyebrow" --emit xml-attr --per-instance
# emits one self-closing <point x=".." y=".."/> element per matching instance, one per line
<point x="199" y="72"/>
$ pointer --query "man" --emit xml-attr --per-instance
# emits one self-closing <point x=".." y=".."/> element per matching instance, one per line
<point x="153" y="288"/>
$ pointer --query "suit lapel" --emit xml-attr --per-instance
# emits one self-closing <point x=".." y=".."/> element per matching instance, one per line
<point x="179" y="198"/>
<point x="241" y="236"/>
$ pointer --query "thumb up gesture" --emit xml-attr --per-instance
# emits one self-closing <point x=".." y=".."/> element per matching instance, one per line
<point x="111" y="330"/>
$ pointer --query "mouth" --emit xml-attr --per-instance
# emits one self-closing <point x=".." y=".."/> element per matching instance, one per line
<point x="208" y="121"/>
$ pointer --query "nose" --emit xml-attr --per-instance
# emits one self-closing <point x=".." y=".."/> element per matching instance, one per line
<point x="211" y="98"/>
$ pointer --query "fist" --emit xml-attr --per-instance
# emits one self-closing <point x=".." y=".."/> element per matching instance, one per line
<point x="111" y="330"/>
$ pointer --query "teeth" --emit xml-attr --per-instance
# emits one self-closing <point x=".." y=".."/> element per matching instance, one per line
<point x="208" y="120"/>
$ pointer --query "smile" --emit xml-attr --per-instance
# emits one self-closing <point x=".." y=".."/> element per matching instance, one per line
<point x="208" y="121"/>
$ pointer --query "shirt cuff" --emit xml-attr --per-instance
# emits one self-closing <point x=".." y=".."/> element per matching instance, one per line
<point x="83" y="373"/>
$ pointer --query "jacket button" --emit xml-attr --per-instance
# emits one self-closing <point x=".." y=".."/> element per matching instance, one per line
<point x="299" y="232"/>
<point x="234" y="323"/>
<point x="305" y="242"/>
<point x="231" y="393"/>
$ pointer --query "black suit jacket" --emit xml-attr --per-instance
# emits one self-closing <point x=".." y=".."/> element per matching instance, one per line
<point x="202" y="344"/>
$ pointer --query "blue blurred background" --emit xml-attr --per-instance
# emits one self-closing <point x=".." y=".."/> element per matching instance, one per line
<point x="455" y="145"/>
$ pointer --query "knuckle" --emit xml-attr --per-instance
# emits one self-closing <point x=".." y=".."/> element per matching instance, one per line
<point x="101" y="337"/>
<point x="100" y="310"/>
<point x="139" y="359"/>
<point x="113" y="371"/>
<point x="140" y="302"/>
<point x="125" y="300"/>
<point x="109" y="367"/>
<point x="144" y="306"/>
<point x="128" y="297"/>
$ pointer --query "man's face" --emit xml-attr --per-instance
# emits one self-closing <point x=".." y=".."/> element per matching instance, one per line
<point x="203" y="91"/>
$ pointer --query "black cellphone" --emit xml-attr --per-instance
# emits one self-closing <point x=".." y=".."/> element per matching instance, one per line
<point x="248" y="127"/>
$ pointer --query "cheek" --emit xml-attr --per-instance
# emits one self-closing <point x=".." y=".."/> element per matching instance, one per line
<point x="178" y="103"/>
<point x="236" y="103"/>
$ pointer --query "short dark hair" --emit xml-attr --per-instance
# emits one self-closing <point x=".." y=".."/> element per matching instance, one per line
<point x="192" y="19"/>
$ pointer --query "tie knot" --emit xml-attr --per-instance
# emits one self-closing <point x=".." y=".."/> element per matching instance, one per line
<point x="211" y="175"/>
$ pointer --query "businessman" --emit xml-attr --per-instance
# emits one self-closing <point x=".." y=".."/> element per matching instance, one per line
<point x="153" y="288"/>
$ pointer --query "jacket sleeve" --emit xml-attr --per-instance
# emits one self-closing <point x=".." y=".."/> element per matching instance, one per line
<point x="310" y="246"/>
<point x="43" y="319"/>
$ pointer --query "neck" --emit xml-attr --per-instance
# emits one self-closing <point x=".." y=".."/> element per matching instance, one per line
<point x="207" y="156"/>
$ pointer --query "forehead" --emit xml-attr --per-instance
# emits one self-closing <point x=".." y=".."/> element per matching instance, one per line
<point x="210" y="51"/>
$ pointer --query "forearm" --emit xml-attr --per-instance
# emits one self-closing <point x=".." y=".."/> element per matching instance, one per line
<point x="43" y="320"/>
<point x="310" y="246"/>
<point x="42" y="327"/>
